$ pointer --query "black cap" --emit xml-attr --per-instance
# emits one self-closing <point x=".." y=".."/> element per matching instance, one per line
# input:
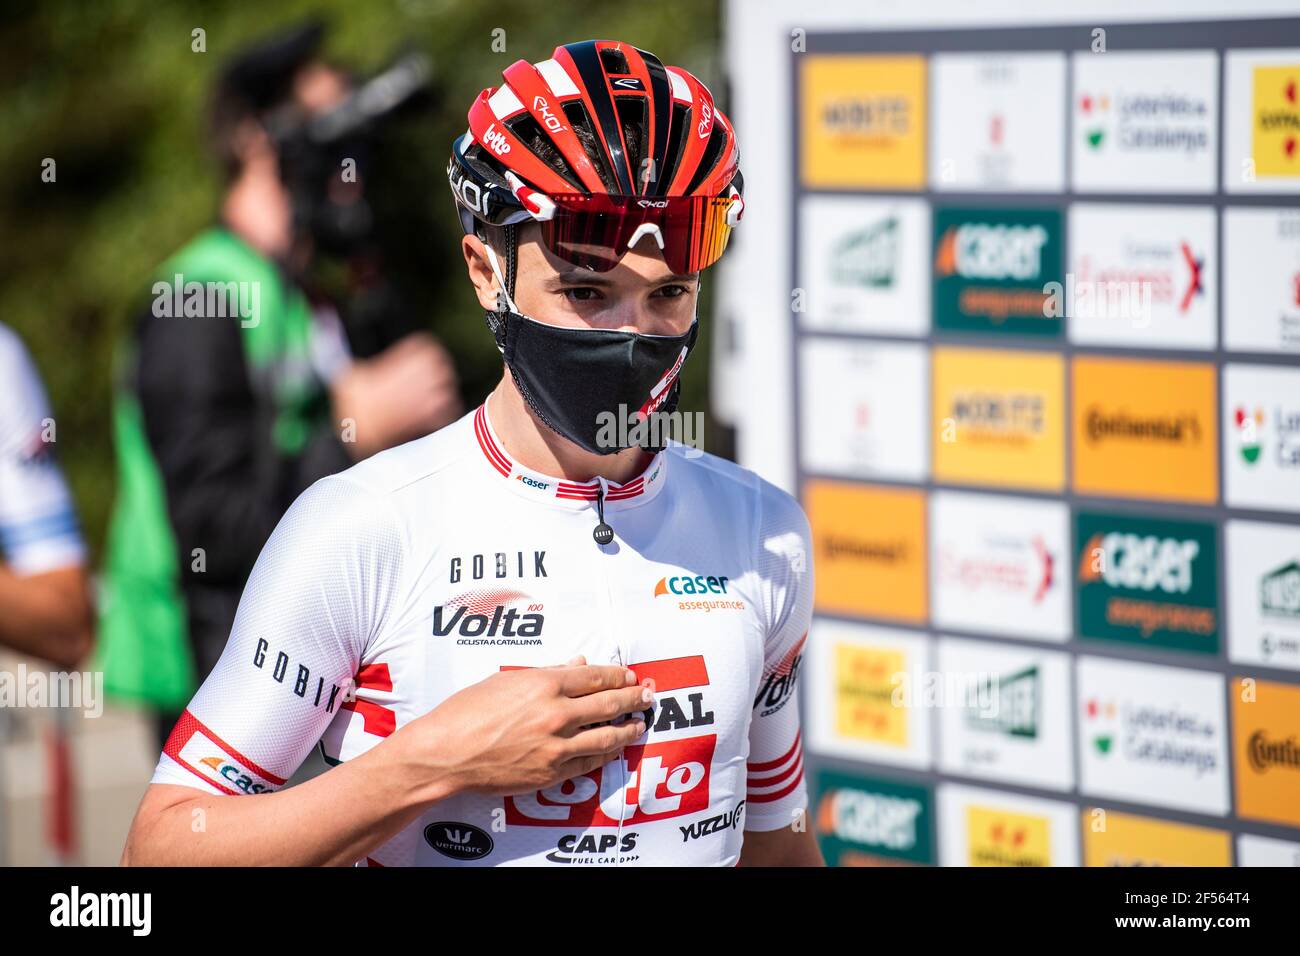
<point x="259" y="75"/>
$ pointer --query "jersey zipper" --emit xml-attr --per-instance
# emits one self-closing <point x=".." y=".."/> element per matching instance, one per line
<point x="604" y="534"/>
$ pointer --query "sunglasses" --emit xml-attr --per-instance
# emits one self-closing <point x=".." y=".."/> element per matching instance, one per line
<point x="596" y="231"/>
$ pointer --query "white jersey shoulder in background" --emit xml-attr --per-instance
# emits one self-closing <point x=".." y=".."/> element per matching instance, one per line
<point x="38" y="527"/>
<point x="431" y="566"/>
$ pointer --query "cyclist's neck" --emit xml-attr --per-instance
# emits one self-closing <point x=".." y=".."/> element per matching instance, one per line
<point x="535" y="446"/>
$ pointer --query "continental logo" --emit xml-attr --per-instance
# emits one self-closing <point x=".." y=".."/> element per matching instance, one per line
<point x="838" y="547"/>
<point x="1148" y="582"/>
<point x="1146" y="429"/>
<point x="1172" y="429"/>
<point x="694" y="590"/>
<point x="870" y="546"/>
<point x="1266" y="739"/>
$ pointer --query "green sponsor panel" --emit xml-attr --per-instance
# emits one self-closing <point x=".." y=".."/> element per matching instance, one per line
<point x="865" y="816"/>
<point x="992" y="268"/>
<point x="1147" y="581"/>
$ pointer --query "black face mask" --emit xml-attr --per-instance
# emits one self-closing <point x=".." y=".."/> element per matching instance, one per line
<point x="580" y="381"/>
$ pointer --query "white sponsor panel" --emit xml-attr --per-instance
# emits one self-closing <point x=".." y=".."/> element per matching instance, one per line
<point x="1010" y="719"/>
<point x="1145" y="122"/>
<point x="1263" y="562"/>
<point x="1000" y="565"/>
<point x="864" y="409"/>
<point x="864" y="265"/>
<point x="1265" y="851"/>
<point x="861" y="705"/>
<point x="1261" y="444"/>
<point x="1261" y="279"/>
<point x="1261" y="121"/>
<point x="1142" y="275"/>
<point x="1152" y="734"/>
<point x="1015" y="830"/>
<point x="997" y="121"/>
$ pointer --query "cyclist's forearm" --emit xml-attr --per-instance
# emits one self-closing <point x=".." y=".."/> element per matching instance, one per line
<point x="46" y="615"/>
<point x="334" y="819"/>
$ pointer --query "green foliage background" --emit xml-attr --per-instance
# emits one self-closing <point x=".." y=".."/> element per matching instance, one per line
<point x="112" y="91"/>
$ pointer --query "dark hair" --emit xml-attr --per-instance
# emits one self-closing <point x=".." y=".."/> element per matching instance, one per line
<point x="254" y="83"/>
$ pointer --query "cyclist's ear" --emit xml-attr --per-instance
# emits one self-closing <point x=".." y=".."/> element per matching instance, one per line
<point x="480" y="271"/>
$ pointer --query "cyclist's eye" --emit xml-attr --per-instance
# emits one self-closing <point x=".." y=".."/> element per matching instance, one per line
<point x="581" y="294"/>
<point x="671" y="291"/>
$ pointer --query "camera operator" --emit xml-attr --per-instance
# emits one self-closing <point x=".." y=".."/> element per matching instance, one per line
<point x="226" y="412"/>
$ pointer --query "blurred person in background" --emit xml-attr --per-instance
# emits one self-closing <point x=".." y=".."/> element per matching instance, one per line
<point x="45" y="608"/>
<point x="227" y="409"/>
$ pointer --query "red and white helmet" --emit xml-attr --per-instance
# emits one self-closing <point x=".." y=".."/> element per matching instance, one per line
<point x="601" y="126"/>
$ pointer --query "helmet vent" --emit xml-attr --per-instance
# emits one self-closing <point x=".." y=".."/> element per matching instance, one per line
<point x="614" y="61"/>
<point x="632" y="117"/>
<point x="582" y="129"/>
<point x="529" y="132"/>
<point x="712" y="152"/>
<point x="676" y="140"/>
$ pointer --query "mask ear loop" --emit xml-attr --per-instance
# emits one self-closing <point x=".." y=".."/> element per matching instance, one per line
<point x="496" y="318"/>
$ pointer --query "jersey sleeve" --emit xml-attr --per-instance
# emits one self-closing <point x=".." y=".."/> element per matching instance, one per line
<point x="319" y="595"/>
<point x="776" y="788"/>
<point x="38" y="527"/>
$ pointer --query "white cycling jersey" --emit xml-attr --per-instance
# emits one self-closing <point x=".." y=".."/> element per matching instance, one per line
<point x="38" y="529"/>
<point x="433" y="565"/>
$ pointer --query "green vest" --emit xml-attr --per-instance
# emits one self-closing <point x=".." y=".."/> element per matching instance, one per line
<point x="143" y="646"/>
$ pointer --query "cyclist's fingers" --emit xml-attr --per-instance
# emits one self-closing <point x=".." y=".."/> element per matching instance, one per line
<point x="590" y="678"/>
<point x="605" y="740"/>
<point x="607" y="705"/>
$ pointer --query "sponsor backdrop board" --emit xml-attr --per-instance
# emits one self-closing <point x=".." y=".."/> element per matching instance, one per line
<point x="1045" y="385"/>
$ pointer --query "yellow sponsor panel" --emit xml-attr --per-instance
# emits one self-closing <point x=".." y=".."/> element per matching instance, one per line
<point x="863" y="121"/>
<point x="999" y="418"/>
<point x="1001" y="838"/>
<point x="1266" y="727"/>
<point x="1119" y="839"/>
<point x="865" y="680"/>
<point x="869" y="549"/>
<point x="1145" y="429"/>
<point x="1275" y="121"/>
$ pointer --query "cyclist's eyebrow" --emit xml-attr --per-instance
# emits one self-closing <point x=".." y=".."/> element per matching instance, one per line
<point x="583" y="276"/>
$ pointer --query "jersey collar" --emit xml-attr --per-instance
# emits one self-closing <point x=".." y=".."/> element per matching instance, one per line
<point x="572" y="494"/>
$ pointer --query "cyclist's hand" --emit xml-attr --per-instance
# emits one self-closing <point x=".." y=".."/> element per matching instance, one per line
<point x="529" y="729"/>
<point x="404" y="392"/>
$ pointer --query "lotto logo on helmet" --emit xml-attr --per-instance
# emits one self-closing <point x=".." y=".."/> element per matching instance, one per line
<point x="495" y="140"/>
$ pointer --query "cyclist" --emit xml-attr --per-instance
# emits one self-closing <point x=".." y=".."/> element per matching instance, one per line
<point x="44" y="595"/>
<point x="412" y="612"/>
